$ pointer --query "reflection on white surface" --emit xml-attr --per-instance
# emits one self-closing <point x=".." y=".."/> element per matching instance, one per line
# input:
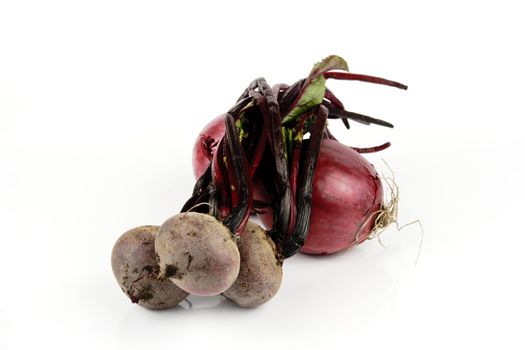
<point x="311" y="296"/>
<point x="194" y="302"/>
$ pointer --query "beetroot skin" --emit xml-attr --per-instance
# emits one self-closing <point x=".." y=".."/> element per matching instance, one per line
<point x="197" y="253"/>
<point x="137" y="271"/>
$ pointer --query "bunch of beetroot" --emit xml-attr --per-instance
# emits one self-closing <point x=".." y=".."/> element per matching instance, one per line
<point x="273" y="155"/>
<point x="194" y="253"/>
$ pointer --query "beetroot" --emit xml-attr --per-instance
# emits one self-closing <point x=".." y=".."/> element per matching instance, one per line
<point x="197" y="253"/>
<point x="261" y="269"/>
<point x="137" y="272"/>
<point x="273" y="154"/>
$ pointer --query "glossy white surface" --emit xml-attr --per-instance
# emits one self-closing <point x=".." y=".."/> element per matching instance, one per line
<point x="100" y="103"/>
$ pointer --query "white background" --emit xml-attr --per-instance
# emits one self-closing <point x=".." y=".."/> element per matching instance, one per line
<point x="100" y="102"/>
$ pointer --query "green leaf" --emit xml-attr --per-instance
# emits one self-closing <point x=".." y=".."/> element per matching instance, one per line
<point x="314" y="88"/>
<point x="329" y="63"/>
<point x="312" y="96"/>
<point x="241" y="125"/>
